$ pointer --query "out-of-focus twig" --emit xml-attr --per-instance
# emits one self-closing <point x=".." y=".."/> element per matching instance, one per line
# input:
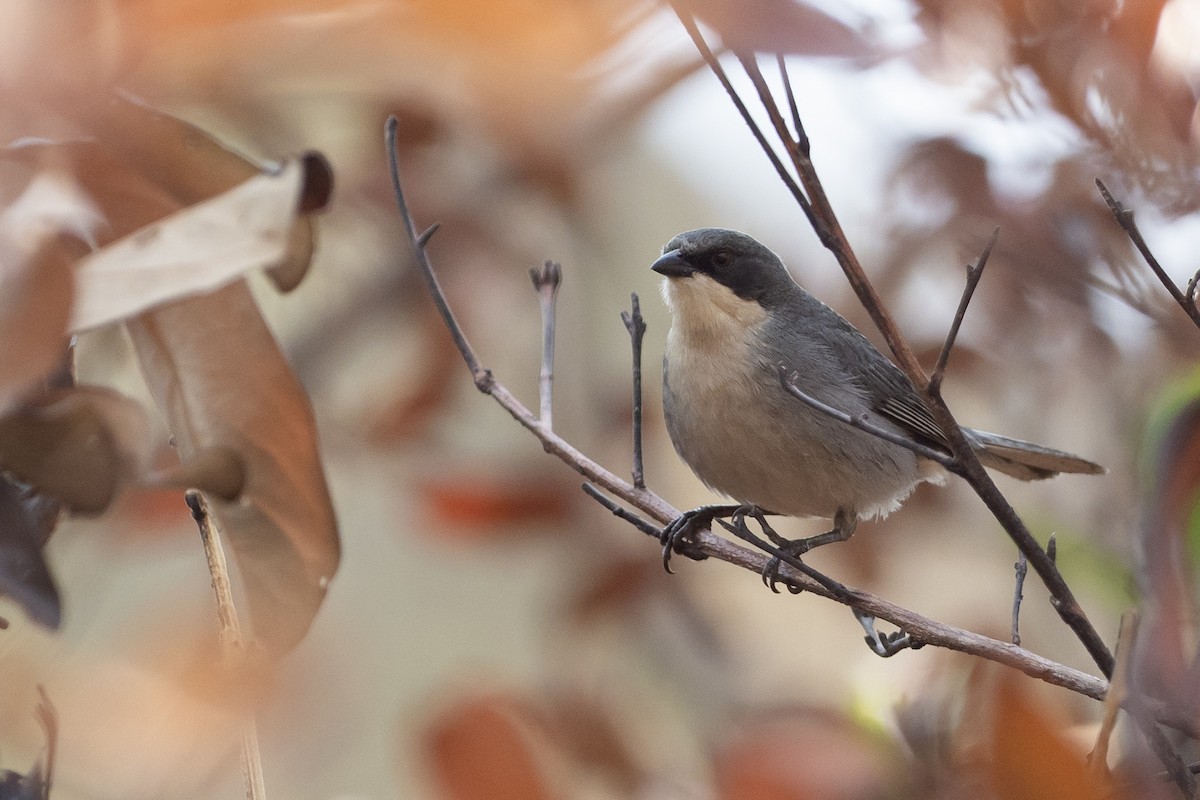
<point x="637" y="331"/>
<point x="1020" y="568"/>
<point x="229" y="633"/>
<point x="974" y="273"/>
<point x="1124" y="217"/>
<point x="546" y="281"/>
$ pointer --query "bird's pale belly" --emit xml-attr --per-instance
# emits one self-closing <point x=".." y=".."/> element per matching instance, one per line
<point x="744" y="438"/>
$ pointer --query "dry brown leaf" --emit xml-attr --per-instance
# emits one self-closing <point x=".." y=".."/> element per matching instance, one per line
<point x="778" y="26"/>
<point x="197" y="249"/>
<point x="802" y="755"/>
<point x="473" y="506"/>
<point x="192" y="166"/>
<point x="1030" y="757"/>
<point x="485" y="749"/>
<point x="78" y="445"/>
<point x="36" y="286"/>
<point x="217" y="373"/>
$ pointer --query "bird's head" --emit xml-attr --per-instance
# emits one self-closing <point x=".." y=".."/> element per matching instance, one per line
<point x="714" y="271"/>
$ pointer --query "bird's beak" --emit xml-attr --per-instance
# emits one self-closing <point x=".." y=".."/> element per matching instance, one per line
<point x="672" y="265"/>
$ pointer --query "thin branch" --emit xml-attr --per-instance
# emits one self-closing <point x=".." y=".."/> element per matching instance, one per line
<point x="1124" y="217"/>
<point x="546" y="281"/>
<point x="801" y="134"/>
<point x="715" y="546"/>
<point x="229" y="636"/>
<point x="973" y="275"/>
<point x="1021" y="567"/>
<point x="829" y="229"/>
<point x="861" y="423"/>
<point x="1118" y="689"/>
<point x="689" y="24"/>
<point x="824" y="221"/>
<point x="479" y="374"/>
<point x="623" y="513"/>
<point x="637" y="331"/>
<point x="739" y="529"/>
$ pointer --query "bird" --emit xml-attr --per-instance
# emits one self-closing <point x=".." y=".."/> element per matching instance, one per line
<point x="738" y="323"/>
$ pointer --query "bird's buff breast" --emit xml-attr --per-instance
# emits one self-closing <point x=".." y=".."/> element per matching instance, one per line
<point x="743" y="437"/>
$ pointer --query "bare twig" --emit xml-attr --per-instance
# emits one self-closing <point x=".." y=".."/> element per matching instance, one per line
<point x="689" y="24"/>
<point x="973" y="275"/>
<point x="48" y="718"/>
<point x="622" y="513"/>
<point x="546" y="281"/>
<point x="1120" y="697"/>
<point x="829" y="230"/>
<point x="712" y="545"/>
<point x="801" y="135"/>
<point x="1124" y="217"/>
<point x="479" y="374"/>
<point x="229" y="635"/>
<point x="1118" y="689"/>
<point x="1021" y="568"/>
<point x="637" y="331"/>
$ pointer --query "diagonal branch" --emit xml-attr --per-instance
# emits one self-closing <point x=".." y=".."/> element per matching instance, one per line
<point x="973" y="275"/>
<point x="824" y="221"/>
<point x="1124" y="217"/>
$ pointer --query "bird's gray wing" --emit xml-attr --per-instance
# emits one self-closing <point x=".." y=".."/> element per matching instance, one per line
<point x="887" y="388"/>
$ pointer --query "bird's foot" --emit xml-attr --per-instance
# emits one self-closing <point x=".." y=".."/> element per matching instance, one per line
<point x="885" y="645"/>
<point x="675" y="536"/>
<point x="843" y="528"/>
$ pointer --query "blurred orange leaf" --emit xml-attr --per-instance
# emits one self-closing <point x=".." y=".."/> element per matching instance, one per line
<point x="36" y="285"/>
<point x="482" y="501"/>
<point x="1030" y="757"/>
<point x="778" y="26"/>
<point x="801" y="755"/>
<point x="484" y="749"/>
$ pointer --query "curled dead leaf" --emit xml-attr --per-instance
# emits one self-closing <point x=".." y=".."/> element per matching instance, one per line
<point x="196" y="249"/>
<point x="488" y="748"/>
<point x="193" y="166"/>
<point x="217" y="373"/>
<point x="215" y="470"/>
<point x="36" y="284"/>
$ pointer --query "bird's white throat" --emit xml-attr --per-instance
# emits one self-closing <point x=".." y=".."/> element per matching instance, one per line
<point x="707" y="314"/>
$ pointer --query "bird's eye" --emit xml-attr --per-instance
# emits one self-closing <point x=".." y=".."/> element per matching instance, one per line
<point x="721" y="258"/>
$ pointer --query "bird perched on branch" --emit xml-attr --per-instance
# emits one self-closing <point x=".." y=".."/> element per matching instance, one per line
<point x="738" y="323"/>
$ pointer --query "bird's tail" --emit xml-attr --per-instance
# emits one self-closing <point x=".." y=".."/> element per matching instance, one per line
<point x="1026" y="460"/>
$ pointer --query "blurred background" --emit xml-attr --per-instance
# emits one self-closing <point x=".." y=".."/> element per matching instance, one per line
<point x="492" y="632"/>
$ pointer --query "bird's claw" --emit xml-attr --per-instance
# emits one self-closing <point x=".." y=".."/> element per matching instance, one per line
<point x="674" y="536"/>
<point x="770" y="572"/>
<point x="885" y="645"/>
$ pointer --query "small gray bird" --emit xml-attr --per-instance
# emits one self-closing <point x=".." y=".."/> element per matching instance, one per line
<point x="737" y="317"/>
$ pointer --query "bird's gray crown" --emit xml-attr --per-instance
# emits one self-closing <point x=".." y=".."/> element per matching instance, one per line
<point x="731" y="258"/>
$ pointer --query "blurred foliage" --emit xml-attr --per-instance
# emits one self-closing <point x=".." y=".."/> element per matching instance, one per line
<point x="566" y="664"/>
